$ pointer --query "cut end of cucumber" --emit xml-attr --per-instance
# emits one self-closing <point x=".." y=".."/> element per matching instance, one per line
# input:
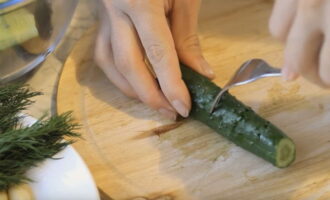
<point x="285" y="153"/>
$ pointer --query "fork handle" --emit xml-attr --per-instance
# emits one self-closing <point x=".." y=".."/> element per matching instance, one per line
<point x="275" y="71"/>
<point x="272" y="72"/>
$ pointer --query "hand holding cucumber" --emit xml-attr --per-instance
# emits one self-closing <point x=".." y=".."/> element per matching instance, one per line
<point x="164" y="31"/>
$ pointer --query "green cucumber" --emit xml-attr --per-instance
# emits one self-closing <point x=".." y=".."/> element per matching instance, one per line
<point x="237" y="122"/>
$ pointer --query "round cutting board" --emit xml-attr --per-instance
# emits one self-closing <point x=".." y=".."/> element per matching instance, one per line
<point x="133" y="151"/>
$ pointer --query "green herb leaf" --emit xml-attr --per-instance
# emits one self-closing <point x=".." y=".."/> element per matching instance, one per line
<point x="22" y="148"/>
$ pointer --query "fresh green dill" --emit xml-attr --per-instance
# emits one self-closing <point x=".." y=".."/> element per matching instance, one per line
<point x="22" y="148"/>
<point x="13" y="99"/>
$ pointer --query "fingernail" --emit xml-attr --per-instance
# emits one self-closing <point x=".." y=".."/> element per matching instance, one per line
<point x="181" y="108"/>
<point x="288" y="75"/>
<point x="207" y="69"/>
<point x="168" y="113"/>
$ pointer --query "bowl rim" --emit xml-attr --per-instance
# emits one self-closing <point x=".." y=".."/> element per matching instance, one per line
<point x="11" y="5"/>
<point x="42" y="56"/>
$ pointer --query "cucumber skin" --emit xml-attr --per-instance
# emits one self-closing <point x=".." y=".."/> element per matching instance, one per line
<point x="231" y="118"/>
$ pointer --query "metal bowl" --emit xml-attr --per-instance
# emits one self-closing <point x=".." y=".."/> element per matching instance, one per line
<point x="20" y="53"/>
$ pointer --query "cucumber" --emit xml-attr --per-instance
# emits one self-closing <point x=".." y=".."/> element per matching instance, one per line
<point x="237" y="122"/>
<point x="16" y="27"/>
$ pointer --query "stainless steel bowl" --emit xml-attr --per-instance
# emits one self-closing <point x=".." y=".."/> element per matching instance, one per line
<point x="29" y="31"/>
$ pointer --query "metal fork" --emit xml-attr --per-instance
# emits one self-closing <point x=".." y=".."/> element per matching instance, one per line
<point x="250" y="71"/>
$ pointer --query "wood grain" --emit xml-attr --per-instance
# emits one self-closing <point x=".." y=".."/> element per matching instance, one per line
<point x="129" y="158"/>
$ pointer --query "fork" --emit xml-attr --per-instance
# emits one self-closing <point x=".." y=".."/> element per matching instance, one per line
<point x="250" y="71"/>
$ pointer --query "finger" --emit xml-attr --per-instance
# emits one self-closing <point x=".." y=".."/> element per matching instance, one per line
<point x="104" y="59"/>
<point x="130" y="62"/>
<point x="184" y="22"/>
<point x="303" y="47"/>
<point x="325" y="61"/>
<point x="158" y="43"/>
<point x="325" y="51"/>
<point x="282" y="18"/>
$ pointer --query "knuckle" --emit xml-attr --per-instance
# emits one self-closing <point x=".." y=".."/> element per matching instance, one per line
<point x="156" y="53"/>
<point x="190" y="43"/>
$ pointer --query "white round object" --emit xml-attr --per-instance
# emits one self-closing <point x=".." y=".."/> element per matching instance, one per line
<point x="67" y="178"/>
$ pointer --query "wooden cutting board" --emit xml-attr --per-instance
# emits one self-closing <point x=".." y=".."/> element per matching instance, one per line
<point x="133" y="151"/>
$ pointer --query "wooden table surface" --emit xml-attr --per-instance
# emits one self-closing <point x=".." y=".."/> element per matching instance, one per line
<point x="133" y="151"/>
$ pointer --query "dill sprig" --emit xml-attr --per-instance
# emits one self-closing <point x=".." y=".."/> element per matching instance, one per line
<point x="22" y="148"/>
<point x="13" y="99"/>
